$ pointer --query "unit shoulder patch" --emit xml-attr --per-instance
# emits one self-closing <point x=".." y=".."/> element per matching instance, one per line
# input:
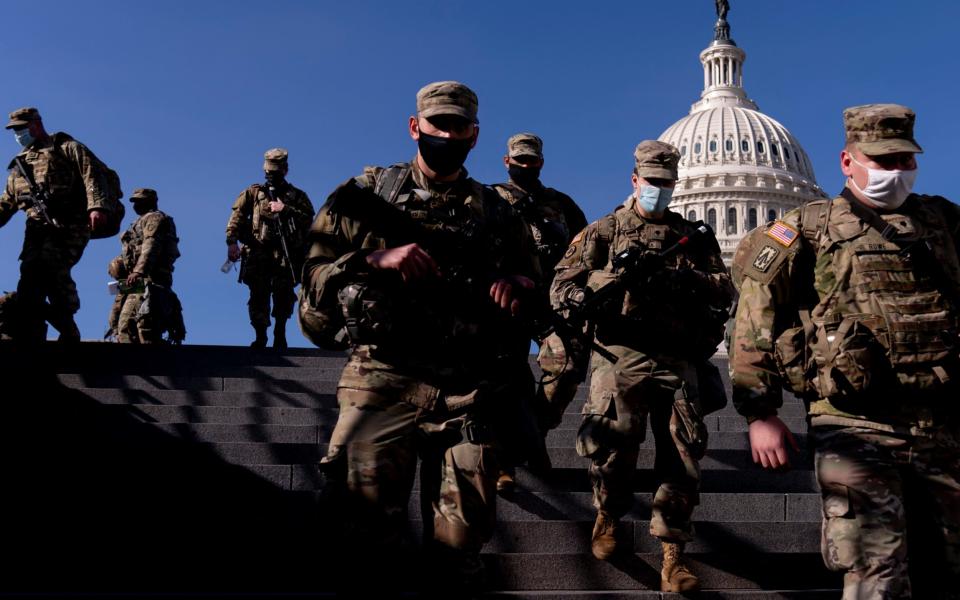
<point x="765" y="258"/>
<point x="765" y="262"/>
<point x="783" y="234"/>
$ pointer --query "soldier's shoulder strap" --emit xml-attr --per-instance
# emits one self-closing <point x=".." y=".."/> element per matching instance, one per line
<point x="390" y="182"/>
<point x="814" y="217"/>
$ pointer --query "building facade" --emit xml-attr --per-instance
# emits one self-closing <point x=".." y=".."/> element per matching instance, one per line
<point x="739" y="168"/>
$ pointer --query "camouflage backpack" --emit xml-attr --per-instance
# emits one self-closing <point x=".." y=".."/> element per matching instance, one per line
<point x="111" y="187"/>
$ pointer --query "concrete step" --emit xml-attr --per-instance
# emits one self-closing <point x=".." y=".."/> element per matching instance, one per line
<point x="523" y="505"/>
<point x="212" y="398"/>
<point x="573" y="537"/>
<point x="187" y="383"/>
<point x="721" y="571"/>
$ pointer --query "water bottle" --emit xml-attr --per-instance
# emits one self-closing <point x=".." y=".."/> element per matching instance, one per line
<point x="225" y="268"/>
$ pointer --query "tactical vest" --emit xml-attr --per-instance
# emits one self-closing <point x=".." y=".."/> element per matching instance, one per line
<point x="55" y="173"/>
<point x="434" y="316"/>
<point x="662" y="314"/>
<point x="548" y="225"/>
<point x="167" y="240"/>
<point x="896" y="329"/>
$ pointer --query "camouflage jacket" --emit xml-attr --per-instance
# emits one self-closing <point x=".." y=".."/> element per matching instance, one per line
<point x="553" y="217"/>
<point x="149" y="247"/>
<point x="445" y="336"/>
<point x="677" y="312"/>
<point x="252" y="222"/>
<point x="858" y="323"/>
<point x="65" y="169"/>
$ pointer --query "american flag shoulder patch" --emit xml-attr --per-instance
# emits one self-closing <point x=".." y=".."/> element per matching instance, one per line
<point x="783" y="233"/>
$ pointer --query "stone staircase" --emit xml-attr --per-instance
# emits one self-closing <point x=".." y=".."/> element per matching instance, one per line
<point x="192" y="469"/>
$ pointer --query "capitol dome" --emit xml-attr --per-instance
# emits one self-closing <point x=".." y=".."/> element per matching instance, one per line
<point x="739" y="168"/>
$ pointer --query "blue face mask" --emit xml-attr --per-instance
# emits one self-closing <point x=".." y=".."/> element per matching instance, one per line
<point x="654" y="199"/>
<point x="23" y="137"/>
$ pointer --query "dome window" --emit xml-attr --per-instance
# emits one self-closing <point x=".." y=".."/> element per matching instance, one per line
<point x="771" y="215"/>
<point x="692" y="215"/>
<point x="752" y="218"/>
<point x="683" y="150"/>
<point x="697" y="147"/>
<point x="760" y="148"/>
<point x="712" y="218"/>
<point x="774" y="149"/>
<point x="786" y="152"/>
<point x="744" y="146"/>
<point x="713" y="145"/>
<point x="731" y="221"/>
<point x="728" y="145"/>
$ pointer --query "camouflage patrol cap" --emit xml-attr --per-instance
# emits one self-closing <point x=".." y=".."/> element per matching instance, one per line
<point x="143" y="193"/>
<point x="879" y="129"/>
<point x="656" y="159"/>
<point x="525" y="144"/>
<point x="275" y="159"/>
<point x="22" y="117"/>
<point x="447" y="98"/>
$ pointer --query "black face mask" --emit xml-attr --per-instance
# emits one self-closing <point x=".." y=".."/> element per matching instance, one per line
<point x="142" y="208"/>
<point x="444" y="155"/>
<point x="274" y="178"/>
<point x="525" y="177"/>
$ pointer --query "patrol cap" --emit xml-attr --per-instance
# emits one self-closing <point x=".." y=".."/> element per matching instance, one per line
<point x="656" y="159"/>
<point x="143" y="193"/>
<point x="525" y="144"/>
<point x="275" y="159"/>
<point x="447" y="98"/>
<point x="22" y="117"/>
<point x="879" y="129"/>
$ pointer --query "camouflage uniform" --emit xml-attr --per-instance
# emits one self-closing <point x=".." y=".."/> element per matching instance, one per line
<point x="65" y="168"/>
<point x="149" y="247"/>
<point x="554" y="218"/>
<point x="253" y="224"/>
<point x="428" y="383"/>
<point x="855" y="311"/>
<point x="658" y="335"/>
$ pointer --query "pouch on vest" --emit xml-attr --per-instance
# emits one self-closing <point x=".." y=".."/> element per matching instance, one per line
<point x="793" y="359"/>
<point x="850" y="359"/>
<point x="367" y="314"/>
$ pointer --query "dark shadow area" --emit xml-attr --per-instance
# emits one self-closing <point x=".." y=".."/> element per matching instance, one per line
<point x="96" y="501"/>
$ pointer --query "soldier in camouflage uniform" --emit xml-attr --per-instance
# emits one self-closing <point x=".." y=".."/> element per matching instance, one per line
<point x="262" y="215"/>
<point x="65" y="169"/>
<point x="666" y="324"/>
<point x="429" y="318"/>
<point x="553" y="218"/>
<point x="852" y="305"/>
<point x="148" y="306"/>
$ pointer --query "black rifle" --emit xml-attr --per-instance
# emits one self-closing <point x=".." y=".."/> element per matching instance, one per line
<point x="282" y="227"/>
<point x="635" y="265"/>
<point x="39" y="198"/>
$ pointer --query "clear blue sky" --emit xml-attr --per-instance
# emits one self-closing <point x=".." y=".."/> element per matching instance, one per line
<point x="185" y="96"/>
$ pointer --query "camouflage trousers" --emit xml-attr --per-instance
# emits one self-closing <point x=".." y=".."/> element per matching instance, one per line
<point x="376" y="442"/>
<point x="47" y="257"/>
<point x="873" y="484"/>
<point x="130" y="328"/>
<point x="561" y="376"/>
<point x="622" y="395"/>
<point x="267" y="276"/>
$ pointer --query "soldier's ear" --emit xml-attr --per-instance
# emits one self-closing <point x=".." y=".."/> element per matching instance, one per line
<point x="846" y="162"/>
<point x="414" y="128"/>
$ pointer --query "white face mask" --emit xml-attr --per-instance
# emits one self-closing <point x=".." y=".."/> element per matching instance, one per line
<point x="886" y="189"/>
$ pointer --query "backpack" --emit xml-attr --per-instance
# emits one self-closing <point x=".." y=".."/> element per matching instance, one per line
<point x="111" y="188"/>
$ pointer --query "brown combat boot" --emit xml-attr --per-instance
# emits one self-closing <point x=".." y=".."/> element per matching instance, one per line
<point x="505" y="482"/>
<point x="675" y="576"/>
<point x="604" y="543"/>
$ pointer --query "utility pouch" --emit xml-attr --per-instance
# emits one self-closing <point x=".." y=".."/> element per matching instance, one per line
<point x="793" y="359"/>
<point x="687" y="426"/>
<point x="366" y="314"/>
<point x="850" y="359"/>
